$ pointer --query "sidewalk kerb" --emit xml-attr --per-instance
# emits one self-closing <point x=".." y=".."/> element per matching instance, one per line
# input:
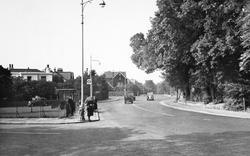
<point x="205" y="111"/>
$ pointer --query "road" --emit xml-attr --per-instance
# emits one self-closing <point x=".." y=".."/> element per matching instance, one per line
<point x="142" y="128"/>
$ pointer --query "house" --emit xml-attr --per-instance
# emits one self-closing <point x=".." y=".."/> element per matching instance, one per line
<point x="36" y="75"/>
<point x="30" y="74"/>
<point x="117" y="82"/>
<point x="65" y="75"/>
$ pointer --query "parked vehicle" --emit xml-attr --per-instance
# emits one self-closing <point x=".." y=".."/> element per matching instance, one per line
<point x="150" y="96"/>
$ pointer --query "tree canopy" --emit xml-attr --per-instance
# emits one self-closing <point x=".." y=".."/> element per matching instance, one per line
<point x="198" y="45"/>
<point x="5" y="83"/>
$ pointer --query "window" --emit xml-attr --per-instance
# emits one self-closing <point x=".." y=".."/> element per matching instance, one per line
<point x="43" y="78"/>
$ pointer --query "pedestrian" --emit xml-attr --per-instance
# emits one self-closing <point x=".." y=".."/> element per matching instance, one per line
<point x="90" y="107"/>
<point x="95" y="103"/>
<point x="68" y="109"/>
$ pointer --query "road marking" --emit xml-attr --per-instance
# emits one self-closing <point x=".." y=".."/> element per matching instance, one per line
<point x="39" y="133"/>
<point x="141" y="108"/>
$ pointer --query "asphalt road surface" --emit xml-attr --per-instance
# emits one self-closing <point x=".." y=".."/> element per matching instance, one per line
<point x="144" y="128"/>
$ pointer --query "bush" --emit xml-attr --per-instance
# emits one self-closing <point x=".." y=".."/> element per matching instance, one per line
<point x="207" y="99"/>
<point x="235" y="93"/>
<point x="234" y="105"/>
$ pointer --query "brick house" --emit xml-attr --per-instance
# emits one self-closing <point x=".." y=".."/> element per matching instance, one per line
<point x="116" y="81"/>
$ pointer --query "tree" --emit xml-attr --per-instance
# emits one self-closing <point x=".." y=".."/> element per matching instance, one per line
<point x="134" y="87"/>
<point x="25" y="90"/>
<point x="163" y="88"/>
<point x="150" y="86"/>
<point x="195" y="43"/>
<point x="58" y="79"/>
<point x="45" y="89"/>
<point x="5" y="83"/>
<point x="167" y="45"/>
<point x="245" y="35"/>
<point x="100" y="86"/>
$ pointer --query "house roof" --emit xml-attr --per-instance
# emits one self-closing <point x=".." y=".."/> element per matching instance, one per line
<point x="24" y="70"/>
<point x="110" y="74"/>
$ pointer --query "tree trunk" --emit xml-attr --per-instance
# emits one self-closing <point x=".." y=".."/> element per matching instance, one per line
<point x="177" y="94"/>
<point x="187" y="92"/>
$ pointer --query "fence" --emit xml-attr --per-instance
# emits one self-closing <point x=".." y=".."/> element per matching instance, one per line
<point x="17" y="109"/>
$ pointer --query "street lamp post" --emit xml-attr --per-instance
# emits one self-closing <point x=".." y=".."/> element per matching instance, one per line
<point x="83" y="4"/>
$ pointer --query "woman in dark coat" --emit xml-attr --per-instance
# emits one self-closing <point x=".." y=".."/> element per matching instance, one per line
<point x="72" y="106"/>
<point x="90" y="107"/>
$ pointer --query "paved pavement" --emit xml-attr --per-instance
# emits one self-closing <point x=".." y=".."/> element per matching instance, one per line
<point x="70" y="120"/>
<point x="201" y="108"/>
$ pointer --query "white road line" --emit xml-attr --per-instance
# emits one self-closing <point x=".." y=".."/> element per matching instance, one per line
<point x="39" y="133"/>
<point x="165" y="114"/>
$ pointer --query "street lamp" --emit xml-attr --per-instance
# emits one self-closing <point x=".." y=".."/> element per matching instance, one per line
<point x="91" y="80"/>
<point x="83" y="4"/>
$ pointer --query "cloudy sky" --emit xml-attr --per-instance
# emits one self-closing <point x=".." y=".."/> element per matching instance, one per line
<point x="34" y="33"/>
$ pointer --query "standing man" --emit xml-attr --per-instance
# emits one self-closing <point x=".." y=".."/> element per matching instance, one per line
<point x="72" y="106"/>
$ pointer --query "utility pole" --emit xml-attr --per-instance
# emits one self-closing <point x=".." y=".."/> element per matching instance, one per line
<point x="91" y="80"/>
<point x="83" y="4"/>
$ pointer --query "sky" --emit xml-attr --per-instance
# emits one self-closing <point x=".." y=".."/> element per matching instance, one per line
<point x="35" y="33"/>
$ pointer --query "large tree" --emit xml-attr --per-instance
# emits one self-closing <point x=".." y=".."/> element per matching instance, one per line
<point x="245" y="34"/>
<point x="195" y="43"/>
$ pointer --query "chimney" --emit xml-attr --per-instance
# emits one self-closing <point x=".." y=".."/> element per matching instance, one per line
<point x="11" y="66"/>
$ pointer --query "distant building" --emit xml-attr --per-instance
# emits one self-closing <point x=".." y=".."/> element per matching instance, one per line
<point x="30" y="74"/>
<point x="37" y="75"/>
<point x="65" y="75"/>
<point x="116" y="80"/>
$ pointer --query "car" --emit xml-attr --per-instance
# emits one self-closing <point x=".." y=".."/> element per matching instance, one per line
<point x="129" y="98"/>
<point x="150" y="96"/>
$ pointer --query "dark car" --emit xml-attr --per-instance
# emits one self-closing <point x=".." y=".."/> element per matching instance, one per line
<point x="128" y="99"/>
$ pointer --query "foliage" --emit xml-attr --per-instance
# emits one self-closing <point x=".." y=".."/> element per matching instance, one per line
<point x="100" y="86"/>
<point x="245" y="35"/>
<point x="136" y="88"/>
<point x="57" y="79"/>
<point x="163" y="88"/>
<point x="5" y="83"/>
<point x="197" y="45"/>
<point x="150" y="86"/>
<point x="25" y="90"/>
